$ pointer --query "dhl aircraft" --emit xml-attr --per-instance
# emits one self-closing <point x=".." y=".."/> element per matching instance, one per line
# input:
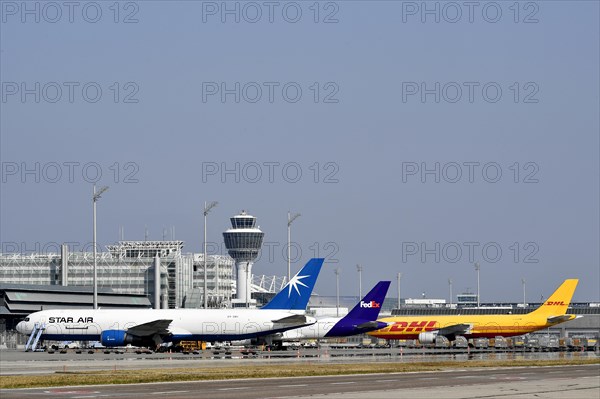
<point x="152" y="327"/>
<point x="427" y="328"/>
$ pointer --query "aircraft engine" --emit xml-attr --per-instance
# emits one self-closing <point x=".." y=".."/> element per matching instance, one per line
<point x="116" y="338"/>
<point x="427" y="337"/>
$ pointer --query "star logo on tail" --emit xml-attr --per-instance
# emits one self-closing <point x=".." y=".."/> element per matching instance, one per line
<point x="295" y="282"/>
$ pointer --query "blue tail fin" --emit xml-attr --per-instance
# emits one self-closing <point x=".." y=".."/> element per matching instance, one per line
<point x="296" y="293"/>
<point x="363" y="317"/>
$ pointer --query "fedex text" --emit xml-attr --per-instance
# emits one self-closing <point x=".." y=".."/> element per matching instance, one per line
<point x="371" y="304"/>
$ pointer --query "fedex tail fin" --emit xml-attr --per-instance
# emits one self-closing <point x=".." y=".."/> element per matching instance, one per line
<point x="363" y="317"/>
<point x="368" y="308"/>
<point x="296" y="293"/>
<point x="559" y="301"/>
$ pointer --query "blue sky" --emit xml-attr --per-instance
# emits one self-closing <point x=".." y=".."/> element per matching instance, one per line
<point x="379" y="103"/>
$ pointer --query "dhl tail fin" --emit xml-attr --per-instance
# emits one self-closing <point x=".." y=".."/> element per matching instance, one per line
<point x="559" y="301"/>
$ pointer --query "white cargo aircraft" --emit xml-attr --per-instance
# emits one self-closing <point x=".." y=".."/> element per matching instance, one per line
<point x="152" y="327"/>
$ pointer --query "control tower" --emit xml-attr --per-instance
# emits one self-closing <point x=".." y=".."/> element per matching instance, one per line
<point x="243" y="241"/>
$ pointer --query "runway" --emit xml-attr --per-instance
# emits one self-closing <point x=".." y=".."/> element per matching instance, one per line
<point x="518" y="382"/>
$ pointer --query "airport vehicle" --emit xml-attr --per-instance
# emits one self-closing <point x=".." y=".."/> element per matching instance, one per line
<point x="361" y="319"/>
<point x="427" y="328"/>
<point x="153" y="327"/>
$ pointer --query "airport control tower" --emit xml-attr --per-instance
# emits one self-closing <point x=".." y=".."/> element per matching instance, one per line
<point x="243" y="241"/>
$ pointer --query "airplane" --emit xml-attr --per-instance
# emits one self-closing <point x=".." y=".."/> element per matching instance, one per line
<point x="153" y="327"/>
<point x="427" y="328"/>
<point x="361" y="319"/>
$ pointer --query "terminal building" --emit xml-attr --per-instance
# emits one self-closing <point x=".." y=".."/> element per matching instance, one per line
<point x="128" y="268"/>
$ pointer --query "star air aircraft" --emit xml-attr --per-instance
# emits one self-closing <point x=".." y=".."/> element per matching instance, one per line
<point x="152" y="327"/>
<point x="427" y="328"/>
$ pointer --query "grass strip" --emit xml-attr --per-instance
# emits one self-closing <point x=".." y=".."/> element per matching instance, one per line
<point x="256" y="371"/>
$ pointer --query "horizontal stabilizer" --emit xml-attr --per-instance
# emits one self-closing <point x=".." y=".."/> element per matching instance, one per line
<point x="294" y="319"/>
<point x="371" y="325"/>
<point x="561" y="318"/>
<point x="150" y="328"/>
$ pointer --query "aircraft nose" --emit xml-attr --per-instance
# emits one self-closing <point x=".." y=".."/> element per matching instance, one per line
<point x="24" y="327"/>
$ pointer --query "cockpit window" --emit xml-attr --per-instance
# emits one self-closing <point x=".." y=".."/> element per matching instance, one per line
<point x="26" y="319"/>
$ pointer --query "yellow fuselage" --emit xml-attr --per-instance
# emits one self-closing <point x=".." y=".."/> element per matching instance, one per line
<point x="488" y="326"/>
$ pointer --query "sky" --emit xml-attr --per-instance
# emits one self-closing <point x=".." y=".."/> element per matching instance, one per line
<point x="412" y="137"/>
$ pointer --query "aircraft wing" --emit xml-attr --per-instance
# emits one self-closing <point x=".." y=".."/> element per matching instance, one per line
<point x="153" y="327"/>
<point x="294" y="319"/>
<point x="456" y="329"/>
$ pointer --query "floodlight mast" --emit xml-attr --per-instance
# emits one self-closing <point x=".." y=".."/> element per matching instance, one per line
<point x="399" y="277"/>
<point x="359" y="268"/>
<point x="291" y="218"/>
<point x="337" y="291"/>
<point x="478" y="268"/>
<point x="95" y="197"/>
<point x="207" y="208"/>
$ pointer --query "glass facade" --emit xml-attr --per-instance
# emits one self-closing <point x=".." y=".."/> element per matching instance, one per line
<point x="242" y="240"/>
<point x="243" y="222"/>
<point x="180" y="273"/>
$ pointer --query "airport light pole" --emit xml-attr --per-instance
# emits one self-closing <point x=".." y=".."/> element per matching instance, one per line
<point x="450" y="286"/>
<point x="399" y="278"/>
<point x="360" y="269"/>
<point x="95" y="197"/>
<point x="337" y="291"/>
<point x="524" y="297"/>
<point x="477" y="268"/>
<point x="291" y="218"/>
<point x="207" y="208"/>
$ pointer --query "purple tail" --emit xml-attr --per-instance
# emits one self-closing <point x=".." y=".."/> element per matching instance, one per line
<point x="363" y="317"/>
